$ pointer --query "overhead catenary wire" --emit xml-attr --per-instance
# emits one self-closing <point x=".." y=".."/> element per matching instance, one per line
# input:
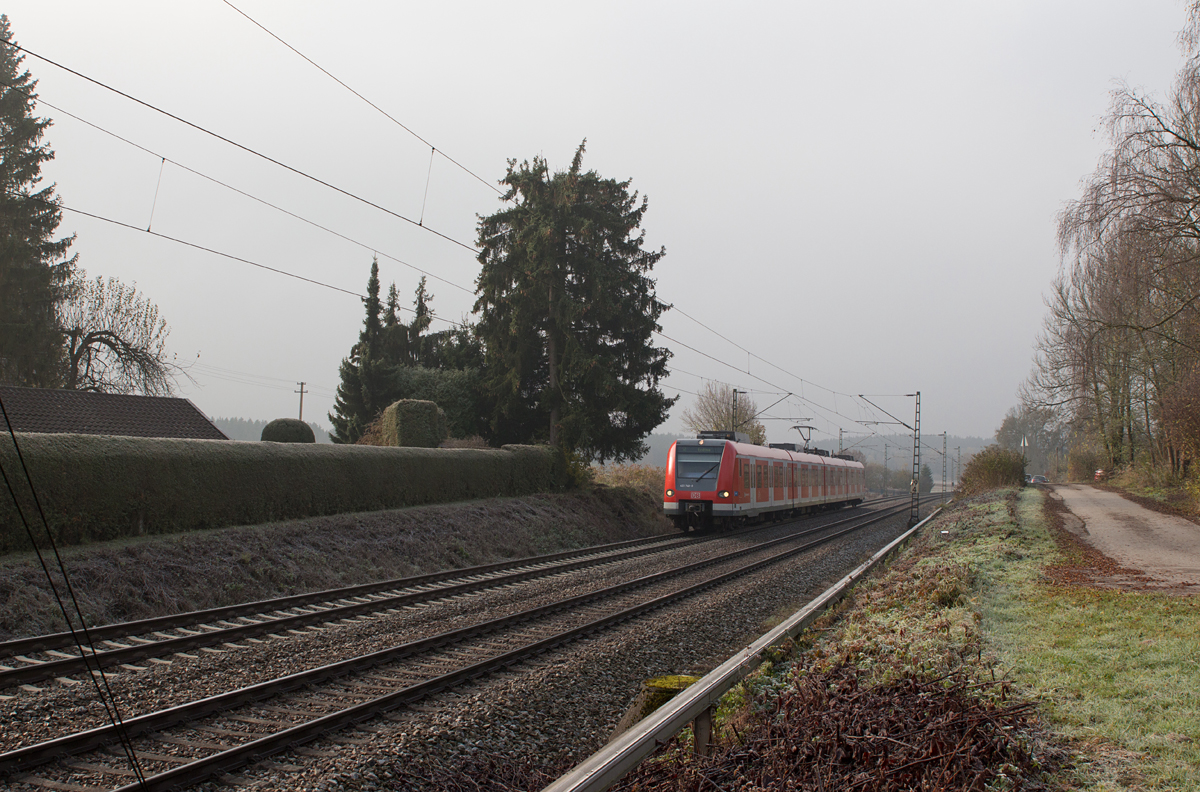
<point x="240" y="146"/>
<point x="379" y="109"/>
<point x="237" y="190"/>
<point x="777" y="388"/>
<point x="419" y="223"/>
<point x="222" y="254"/>
<point x="756" y="356"/>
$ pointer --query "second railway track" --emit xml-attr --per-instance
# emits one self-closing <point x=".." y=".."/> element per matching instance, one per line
<point x="212" y="735"/>
<point x="28" y="661"/>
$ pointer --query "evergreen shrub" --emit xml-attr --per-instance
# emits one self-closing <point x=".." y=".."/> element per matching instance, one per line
<point x="412" y="423"/>
<point x="457" y="391"/>
<point x="288" y="430"/>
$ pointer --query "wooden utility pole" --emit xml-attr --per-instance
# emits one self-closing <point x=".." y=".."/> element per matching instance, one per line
<point x="301" y="392"/>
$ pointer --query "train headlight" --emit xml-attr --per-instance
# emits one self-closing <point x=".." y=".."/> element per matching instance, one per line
<point x="670" y="493"/>
<point x="725" y="494"/>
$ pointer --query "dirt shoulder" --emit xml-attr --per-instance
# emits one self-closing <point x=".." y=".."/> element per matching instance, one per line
<point x="1155" y="550"/>
<point x="152" y="576"/>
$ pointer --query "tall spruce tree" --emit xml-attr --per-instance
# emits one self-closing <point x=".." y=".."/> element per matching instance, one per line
<point x="34" y="268"/>
<point x="567" y="311"/>
<point x="361" y="394"/>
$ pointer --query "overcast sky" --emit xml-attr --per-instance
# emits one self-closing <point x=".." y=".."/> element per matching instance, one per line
<point x="863" y="194"/>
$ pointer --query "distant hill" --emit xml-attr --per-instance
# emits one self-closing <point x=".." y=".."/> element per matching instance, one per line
<point x="246" y="429"/>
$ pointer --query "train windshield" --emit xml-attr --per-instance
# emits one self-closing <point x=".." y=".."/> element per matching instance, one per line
<point x="696" y="466"/>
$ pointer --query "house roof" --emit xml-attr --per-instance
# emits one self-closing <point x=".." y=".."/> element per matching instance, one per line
<point x="82" y="412"/>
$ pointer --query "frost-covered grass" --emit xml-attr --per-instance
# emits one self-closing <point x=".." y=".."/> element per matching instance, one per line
<point x="1115" y="674"/>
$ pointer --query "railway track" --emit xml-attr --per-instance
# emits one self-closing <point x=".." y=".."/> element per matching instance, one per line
<point x="28" y="661"/>
<point x="209" y="737"/>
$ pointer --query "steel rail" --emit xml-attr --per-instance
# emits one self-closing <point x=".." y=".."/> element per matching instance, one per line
<point x="62" y="667"/>
<point x="123" y="629"/>
<point x="50" y="669"/>
<point x="59" y="640"/>
<point x="611" y="763"/>
<point x="295" y="736"/>
<point x="90" y="739"/>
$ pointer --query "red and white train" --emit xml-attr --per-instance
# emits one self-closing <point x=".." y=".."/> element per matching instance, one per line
<point x="720" y="480"/>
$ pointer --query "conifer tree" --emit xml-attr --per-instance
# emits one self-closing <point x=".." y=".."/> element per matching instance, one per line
<point x="34" y="268"/>
<point x="360" y="394"/>
<point x="567" y="312"/>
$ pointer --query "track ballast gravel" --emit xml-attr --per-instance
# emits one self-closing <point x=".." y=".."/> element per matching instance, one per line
<point x="551" y="713"/>
<point x="548" y="713"/>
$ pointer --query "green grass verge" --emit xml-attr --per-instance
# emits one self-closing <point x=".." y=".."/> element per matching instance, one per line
<point x="1116" y="674"/>
<point x="1116" y="671"/>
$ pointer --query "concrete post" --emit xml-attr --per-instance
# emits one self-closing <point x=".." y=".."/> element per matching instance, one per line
<point x="702" y="733"/>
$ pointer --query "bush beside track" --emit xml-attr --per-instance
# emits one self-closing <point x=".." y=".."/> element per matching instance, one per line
<point x="96" y="488"/>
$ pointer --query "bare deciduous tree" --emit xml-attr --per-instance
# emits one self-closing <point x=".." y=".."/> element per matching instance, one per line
<point x="714" y="410"/>
<point x="1124" y="322"/>
<point x="115" y="341"/>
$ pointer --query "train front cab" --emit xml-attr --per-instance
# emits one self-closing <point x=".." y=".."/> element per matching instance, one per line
<point x="698" y="479"/>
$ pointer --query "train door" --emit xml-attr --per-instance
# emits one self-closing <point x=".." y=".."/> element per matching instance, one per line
<point x="762" y="493"/>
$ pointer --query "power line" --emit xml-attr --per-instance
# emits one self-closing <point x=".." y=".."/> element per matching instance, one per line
<point x="237" y="190"/>
<point x="383" y="112"/>
<point x="756" y="356"/>
<point x="240" y="146"/>
<point x="202" y="247"/>
<point x="778" y="389"/>
<point x="380" y="208"/>
<point x="222" y="254"/>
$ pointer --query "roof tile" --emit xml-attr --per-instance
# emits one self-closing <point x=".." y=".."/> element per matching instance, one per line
<point x="82" y="412"/>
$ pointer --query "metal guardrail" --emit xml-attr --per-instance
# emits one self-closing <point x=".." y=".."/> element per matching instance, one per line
<point x="696" y="703"/>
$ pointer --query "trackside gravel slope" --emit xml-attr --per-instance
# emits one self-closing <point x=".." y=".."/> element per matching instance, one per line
<point x="139" y="578"/>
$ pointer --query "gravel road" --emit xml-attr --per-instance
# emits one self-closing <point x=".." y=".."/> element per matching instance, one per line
<point x="1163" y="547"/>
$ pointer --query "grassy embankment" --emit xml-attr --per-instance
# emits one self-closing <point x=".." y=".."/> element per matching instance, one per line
<point x="1113" y="674"/>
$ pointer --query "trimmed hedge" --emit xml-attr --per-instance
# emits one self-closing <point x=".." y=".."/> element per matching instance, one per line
<point x="95" y="488"/>
<point x="288" y="430"/>
<point x="413" y="423"/>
